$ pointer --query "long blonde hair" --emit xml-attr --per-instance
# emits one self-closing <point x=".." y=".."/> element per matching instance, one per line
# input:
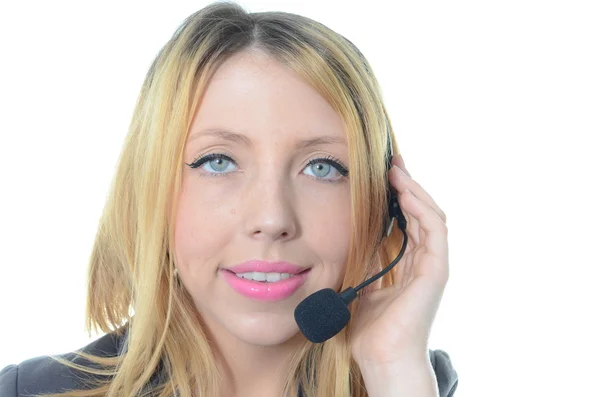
<point x="131" y="270"/>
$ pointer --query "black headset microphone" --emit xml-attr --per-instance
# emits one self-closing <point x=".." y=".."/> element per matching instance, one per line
<point x="323" y="314"/>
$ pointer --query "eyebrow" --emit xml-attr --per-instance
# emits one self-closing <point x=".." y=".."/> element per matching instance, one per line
<point x="244" y="140"/>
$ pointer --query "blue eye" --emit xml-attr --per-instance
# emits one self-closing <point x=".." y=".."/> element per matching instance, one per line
<point x="217" y="164"/>
<point x="321" y="167"/>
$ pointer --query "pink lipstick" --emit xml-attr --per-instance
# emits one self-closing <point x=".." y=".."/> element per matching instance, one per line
<point x="265" y="281"/>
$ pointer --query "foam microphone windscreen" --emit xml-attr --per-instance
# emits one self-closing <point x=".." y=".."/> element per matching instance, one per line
<point x="322" y="315"/>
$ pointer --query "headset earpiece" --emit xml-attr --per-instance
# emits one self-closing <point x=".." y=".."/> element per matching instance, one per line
<point x="394" y="211"/>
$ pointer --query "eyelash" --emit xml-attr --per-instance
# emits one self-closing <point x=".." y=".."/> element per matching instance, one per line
<point x="335" y="162"/>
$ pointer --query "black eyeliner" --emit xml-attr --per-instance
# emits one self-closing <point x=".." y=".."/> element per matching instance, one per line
<point x="335" y="162"/>
<point x="212" y="156"/>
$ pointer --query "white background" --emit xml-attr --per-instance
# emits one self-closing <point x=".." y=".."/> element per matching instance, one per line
<point x="496" y="106"/>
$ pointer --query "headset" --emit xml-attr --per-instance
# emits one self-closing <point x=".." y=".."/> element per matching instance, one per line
<point x="323" y="314"/>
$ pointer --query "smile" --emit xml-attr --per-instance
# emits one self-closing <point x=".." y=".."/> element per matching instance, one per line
<point x="265" y="277"/>
<point x="269" y="287"/>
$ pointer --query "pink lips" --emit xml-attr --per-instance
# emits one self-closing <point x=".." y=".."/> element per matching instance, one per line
<point x="266" y="291"/>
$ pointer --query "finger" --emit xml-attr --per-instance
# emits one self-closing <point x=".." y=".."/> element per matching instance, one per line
<point x="412" y="224"/>
<point x="397" y="160"/>
<point x="400" y="180"/>
<point x="435" y="232"/>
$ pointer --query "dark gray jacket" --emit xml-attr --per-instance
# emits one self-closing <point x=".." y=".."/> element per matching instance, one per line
<point x="44" y="375"/>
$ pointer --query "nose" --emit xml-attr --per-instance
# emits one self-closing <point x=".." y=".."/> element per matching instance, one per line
<point x="269" y="209"/>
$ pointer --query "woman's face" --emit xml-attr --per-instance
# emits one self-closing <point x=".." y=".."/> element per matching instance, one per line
<point x="262" y="200"/>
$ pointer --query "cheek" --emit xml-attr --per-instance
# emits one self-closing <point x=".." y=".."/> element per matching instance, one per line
<point x="201" y="229"/>
<point x="330" y="230"/>
<point x="327" y="232"/>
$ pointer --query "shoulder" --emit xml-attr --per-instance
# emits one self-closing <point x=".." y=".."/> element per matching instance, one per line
<point x="44" y="375"/>
<point x="447" y="377"/>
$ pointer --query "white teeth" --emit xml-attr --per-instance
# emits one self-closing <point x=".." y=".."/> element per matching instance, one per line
<point x="273" y="277"/>
<point x="268" y="277"/>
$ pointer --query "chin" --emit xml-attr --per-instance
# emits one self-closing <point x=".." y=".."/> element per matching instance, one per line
<point x="265" y="329"/>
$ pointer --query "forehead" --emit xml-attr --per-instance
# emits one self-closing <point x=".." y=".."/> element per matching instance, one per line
<point x="252" y="90"/>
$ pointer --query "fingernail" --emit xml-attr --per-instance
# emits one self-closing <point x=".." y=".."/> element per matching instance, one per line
<point x="403" y="165"/>
<point x="398" y="169"/>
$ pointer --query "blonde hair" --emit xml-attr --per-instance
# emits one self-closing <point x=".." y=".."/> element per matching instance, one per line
<point x="131" y="270"/>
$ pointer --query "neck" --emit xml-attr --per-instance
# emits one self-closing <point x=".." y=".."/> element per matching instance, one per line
<point x="253" y="370"/>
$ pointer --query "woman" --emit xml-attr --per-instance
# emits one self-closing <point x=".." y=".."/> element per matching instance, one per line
<point x="253" y="175"/>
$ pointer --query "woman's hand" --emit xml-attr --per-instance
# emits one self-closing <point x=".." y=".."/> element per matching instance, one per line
<point x="391" y="325"/>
